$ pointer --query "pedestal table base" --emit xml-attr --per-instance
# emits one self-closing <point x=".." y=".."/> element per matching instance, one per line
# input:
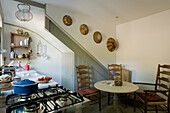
<point x="115" y="108"/>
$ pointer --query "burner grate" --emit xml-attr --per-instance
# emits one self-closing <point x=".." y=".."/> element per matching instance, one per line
<point x="50" y="99"/>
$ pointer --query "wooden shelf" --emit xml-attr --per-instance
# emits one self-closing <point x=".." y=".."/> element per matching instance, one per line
<point x="20" y="34"/>
<point x="15" y="41"/>
<point x="19" y="46"/>
<point x="19" y="58"/>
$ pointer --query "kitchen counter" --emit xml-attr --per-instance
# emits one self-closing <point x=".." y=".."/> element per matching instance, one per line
<point x="33" y="75"/>
<point x="40" y="85"/>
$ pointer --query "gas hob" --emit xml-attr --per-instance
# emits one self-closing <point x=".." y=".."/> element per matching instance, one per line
<point x="51" y="99"/>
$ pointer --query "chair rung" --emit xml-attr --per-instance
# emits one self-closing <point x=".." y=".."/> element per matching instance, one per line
<point x="141" y="107"/>
<point x="83" y="86"/>
<point x="113" y="65"/>
<point x="164" y="93"/>
<point x="164" y="79"/>
<point x="165" y="66"/>
<point x="82" y="72"/>
<point x="83" y="81"/>
<point x="116" y="74"/>
<point x="111" y="78"/>
<point x="165" y="72"/>
<point x="114" y="69"/>
<point x="164" y="86"/>
<point x="83" y="76"/>
<point x="82" y="67"/>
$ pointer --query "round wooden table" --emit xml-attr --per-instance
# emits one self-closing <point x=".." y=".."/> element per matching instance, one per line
<point x="108" y="86"/>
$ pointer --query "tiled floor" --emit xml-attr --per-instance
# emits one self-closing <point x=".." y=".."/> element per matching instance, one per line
<point x="95" y="108"/>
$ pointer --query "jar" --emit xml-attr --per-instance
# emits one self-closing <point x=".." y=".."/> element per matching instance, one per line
<point x="26" y="33"/>
<point x="20" y="31"/>
<point x="118" y="81"/>
<point x="12" y="54"/>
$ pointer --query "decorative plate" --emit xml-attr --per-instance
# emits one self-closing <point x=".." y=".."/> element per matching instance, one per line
<point x="67" y="20"/>
<point x="111" y="44"/>
<point x="84" y="29"/>
<point x="97" y="36"/>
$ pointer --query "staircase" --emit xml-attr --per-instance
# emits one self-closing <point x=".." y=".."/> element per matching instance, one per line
<point x="82" y="56"/>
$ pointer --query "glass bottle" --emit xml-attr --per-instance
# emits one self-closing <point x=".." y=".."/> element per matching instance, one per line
<point x="38" y="49"/>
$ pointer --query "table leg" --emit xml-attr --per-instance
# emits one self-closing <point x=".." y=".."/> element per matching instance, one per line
<point x="115" y="108"/>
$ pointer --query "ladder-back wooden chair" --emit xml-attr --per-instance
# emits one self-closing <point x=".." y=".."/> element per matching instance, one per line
<point x="114" y="70"/>
<point x="83" y="85"/>
<point x="160" y="96"/>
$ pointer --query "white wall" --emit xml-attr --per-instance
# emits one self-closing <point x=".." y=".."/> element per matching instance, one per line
<point x="50" y="67"/>
<point x="0" y="21"/>
<point x="36" y="24"/>
<point x="144" y="43"/>
<point x="68" y="78"/>
<point x="107" y="29"/>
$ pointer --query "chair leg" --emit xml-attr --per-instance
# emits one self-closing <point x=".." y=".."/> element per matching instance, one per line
<point x="156" y="109"/>
<point x="99" y="101"/>
<point x="65" y="111"/>
<point x="108" y="98"/>
<point x="145" y="105"/>
<point x="134" y="102"/>
<point x="169" y="103"/>
<point x="126" y="99"/>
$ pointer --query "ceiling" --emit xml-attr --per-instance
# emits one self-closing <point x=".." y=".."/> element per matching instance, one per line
<point x="120" y="11"/>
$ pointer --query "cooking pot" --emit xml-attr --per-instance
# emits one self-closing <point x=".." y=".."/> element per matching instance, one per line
<point x="25" y="87"/>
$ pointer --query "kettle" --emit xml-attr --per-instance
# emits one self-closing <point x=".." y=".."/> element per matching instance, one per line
<point x="26" y="66"/>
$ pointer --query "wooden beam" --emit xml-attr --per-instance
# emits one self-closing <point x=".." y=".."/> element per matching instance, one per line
<point x="33" y="3"/>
